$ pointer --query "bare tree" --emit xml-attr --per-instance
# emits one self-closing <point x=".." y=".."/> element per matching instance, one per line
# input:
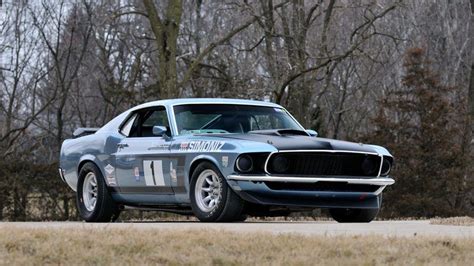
<point x="165" y="30"/>
<point x="67" y="50"/>
<point x="19" y="78"/>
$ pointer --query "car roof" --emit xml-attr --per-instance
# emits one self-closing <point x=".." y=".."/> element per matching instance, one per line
<point x="181" y="101"/>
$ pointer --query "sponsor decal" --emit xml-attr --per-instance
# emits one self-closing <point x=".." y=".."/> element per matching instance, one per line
<point x="109" y="175"/>
<point x="111" y="180"/>
<point x="159" y="147"/>
<point x="136" y="172"/>
<point x="153" y="170"/>
<point x="225" y="161"/>
<point x="109" y="169"/>
<point x="202" y="146"/>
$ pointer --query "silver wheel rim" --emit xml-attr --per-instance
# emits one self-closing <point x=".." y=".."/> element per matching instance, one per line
<point x="208" y="190"/>
<point x="89" y="191"/>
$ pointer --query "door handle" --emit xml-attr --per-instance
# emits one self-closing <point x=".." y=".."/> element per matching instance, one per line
<point x="122" y="145"/>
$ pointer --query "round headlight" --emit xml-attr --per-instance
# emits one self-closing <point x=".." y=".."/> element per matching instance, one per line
<point x="280" y="164"/>
<point x="386" y="167"/>
<point x="369" y="166"/>
<point x="244" y="163"/>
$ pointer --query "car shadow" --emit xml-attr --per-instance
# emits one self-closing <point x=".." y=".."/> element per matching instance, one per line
<point x="246" y="222"/>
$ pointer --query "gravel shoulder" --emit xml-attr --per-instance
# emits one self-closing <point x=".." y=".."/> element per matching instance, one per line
<point x="325" y="228"/>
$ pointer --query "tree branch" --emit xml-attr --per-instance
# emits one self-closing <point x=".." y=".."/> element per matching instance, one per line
<point x="373" y="19"/>
<point x="210" y="48"/>
<point x="154" y="18"/>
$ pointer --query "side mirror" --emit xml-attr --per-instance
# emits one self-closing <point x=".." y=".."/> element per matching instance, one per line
<point x="312" y="133"/>
<point x="159" y="130"/>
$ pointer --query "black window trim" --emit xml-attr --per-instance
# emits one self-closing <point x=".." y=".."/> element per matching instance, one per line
<point x="140" y="117"/>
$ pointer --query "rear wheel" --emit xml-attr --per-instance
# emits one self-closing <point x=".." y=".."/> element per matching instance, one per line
<point x="212" y="200"/>
<point x="92" y="198"/>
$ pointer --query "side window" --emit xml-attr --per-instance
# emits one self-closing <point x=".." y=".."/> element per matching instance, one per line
<point x="147" y="119"/>
<point x="127" y="126"/>
<point x="156" y="118"/>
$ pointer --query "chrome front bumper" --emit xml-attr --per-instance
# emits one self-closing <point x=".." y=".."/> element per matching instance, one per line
<point x="321" y="192"/>
<point x="380" y="181"/>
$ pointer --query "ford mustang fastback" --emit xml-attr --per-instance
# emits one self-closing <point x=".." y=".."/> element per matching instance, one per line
<point x="221" y="160"/>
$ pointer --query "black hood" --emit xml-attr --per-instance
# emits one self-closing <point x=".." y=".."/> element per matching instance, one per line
<point x="300" y="142"/>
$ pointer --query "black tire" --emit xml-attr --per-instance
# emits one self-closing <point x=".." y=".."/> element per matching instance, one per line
<point x="230" y="206"/>
<point x="353" y="215"/>
<point x="105" y="210"/>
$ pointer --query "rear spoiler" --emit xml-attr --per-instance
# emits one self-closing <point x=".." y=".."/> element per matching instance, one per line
<point x="84" y="131"/>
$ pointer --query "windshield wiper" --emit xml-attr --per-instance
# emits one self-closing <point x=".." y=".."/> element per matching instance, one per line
<point x="210" y="122"/>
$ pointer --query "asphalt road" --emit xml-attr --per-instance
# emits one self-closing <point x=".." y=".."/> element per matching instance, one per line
<point x="385" y="228"/>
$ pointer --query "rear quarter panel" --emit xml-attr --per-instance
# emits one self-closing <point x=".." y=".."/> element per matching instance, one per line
<point x="88" y="148"/>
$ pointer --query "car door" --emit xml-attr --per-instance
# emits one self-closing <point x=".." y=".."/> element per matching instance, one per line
<point x="142" y="159"/>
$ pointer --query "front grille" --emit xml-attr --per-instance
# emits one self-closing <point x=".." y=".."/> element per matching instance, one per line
<point x="324" y="164"/>
<point x="322" y="186"/>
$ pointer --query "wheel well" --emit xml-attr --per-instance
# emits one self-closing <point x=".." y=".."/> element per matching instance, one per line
<point x="81" y="164"/>
<point x="195" y="164"/>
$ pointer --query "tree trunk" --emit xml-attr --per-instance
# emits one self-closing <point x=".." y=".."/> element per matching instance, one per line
<point x="468" y="141"/>
<point x="470" y="100"/>
<point x="269" y="27"/>
<point x="166" y="33"/>
<point x="340" y="110"/>
<point x="470" y="97"/>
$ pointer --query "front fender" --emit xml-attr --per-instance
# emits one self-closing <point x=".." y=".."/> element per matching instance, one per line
<point x="204" y="157"/>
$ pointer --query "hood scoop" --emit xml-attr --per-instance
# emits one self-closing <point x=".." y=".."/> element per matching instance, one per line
<point x="280" y="132"/>
<point x="284" y="139"/>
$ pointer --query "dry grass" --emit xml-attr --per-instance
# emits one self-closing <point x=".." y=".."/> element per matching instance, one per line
<point x="119" y="246"/>
<point x="462" y="221"/>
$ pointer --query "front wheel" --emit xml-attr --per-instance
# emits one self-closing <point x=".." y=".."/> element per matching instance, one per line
<point x="212" y="200"/>
<point x="93" y="199"/>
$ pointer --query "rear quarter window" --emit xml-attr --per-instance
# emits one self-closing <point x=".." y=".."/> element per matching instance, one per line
<point x="127" y="126"/>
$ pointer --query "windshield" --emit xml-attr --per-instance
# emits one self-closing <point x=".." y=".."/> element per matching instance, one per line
<point x="226" y="118"/>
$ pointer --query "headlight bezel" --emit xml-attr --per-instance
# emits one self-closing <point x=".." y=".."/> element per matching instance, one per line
<point x="387" y="165"/>
<point x="258" y="163"/>
<point x="244" y="163"/>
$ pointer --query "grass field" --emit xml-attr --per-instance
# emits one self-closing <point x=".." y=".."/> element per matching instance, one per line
<point x="118" y="246"/>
